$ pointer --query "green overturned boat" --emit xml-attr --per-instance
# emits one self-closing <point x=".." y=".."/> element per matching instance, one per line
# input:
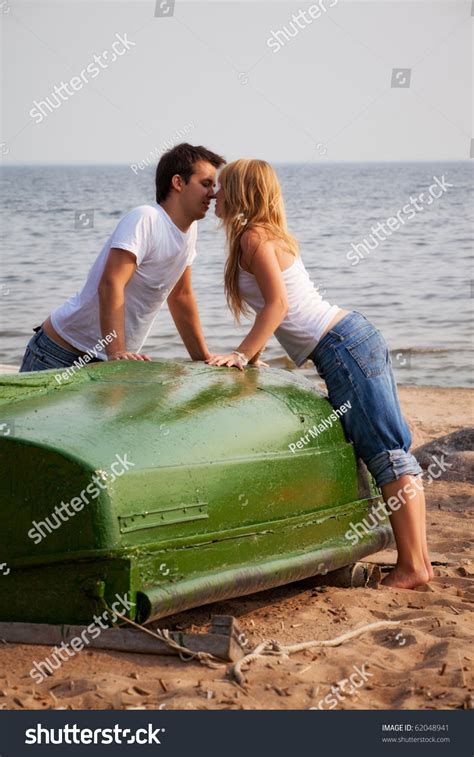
<point x="173" y="483"/>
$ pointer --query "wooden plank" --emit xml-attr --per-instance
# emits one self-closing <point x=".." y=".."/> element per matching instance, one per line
<point x="222" y="640"/>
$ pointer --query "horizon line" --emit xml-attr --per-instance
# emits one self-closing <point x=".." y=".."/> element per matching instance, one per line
<point x="276" y="162"/>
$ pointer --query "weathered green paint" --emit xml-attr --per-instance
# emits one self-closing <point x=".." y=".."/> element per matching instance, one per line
<point x="215" y="505"/>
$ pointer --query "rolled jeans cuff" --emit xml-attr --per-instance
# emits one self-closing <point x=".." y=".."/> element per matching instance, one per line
<point x="391" y="465"/>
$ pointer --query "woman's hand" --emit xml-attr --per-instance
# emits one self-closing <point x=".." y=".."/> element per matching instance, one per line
<point x="229" y="361"/>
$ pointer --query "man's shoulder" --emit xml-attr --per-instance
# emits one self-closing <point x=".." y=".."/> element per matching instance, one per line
<point x="144" y="219"/>
<point x="144" y="211"/>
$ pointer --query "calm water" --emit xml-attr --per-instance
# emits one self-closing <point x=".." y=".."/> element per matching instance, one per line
<point x="416" y="286"/>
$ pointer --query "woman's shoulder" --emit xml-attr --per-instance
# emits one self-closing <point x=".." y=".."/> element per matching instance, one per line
<point x="252" y="237"/>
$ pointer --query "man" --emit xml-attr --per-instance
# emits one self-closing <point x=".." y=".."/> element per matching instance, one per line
<point x="146" y="262"/>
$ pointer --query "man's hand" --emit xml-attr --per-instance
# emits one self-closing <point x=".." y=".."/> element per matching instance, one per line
<point x="128" y="356"/>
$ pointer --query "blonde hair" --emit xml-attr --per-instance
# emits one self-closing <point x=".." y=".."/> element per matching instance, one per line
<point x="251" y="198"/>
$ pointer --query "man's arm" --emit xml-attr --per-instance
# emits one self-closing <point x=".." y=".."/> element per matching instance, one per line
<point x="183" y="308"/>
<point x="118" y="271"/>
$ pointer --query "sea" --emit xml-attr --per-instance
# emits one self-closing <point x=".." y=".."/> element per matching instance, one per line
<point x="414" y="281"/>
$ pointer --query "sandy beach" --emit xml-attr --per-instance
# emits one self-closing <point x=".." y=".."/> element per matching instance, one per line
<point x="426" y="665"/>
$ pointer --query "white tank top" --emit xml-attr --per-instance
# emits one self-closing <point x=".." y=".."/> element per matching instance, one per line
<point x="308" y="315"/>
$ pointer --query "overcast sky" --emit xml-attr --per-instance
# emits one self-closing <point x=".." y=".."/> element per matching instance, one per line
<point x="208" y="68"/>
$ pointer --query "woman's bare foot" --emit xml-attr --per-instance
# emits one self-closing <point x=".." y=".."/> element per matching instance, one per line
<point x="403" y="578"/>
<point x="430" y="570"/>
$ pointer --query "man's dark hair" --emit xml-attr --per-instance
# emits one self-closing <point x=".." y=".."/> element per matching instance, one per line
<point x="180" y="160"/>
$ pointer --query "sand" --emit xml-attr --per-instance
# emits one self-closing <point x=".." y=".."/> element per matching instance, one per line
<point x="423" y="666"/>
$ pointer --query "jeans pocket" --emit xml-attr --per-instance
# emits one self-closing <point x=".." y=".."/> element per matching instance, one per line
<point x="370" y="353"/>
<point x="44" y="360"/>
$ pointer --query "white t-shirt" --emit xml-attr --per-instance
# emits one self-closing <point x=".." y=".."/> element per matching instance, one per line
<point x="308" y="315"/>
<point x="162" y="251"/>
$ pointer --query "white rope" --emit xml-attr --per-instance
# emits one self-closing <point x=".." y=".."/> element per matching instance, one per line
<point x="273" y="647"/>
<point x="267" y="646"/>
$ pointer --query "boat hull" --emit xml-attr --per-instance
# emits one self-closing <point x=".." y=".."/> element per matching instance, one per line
<point x="213" y="501"/>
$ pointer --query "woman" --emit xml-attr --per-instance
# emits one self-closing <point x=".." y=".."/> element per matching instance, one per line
<point x="264" y="272"/>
